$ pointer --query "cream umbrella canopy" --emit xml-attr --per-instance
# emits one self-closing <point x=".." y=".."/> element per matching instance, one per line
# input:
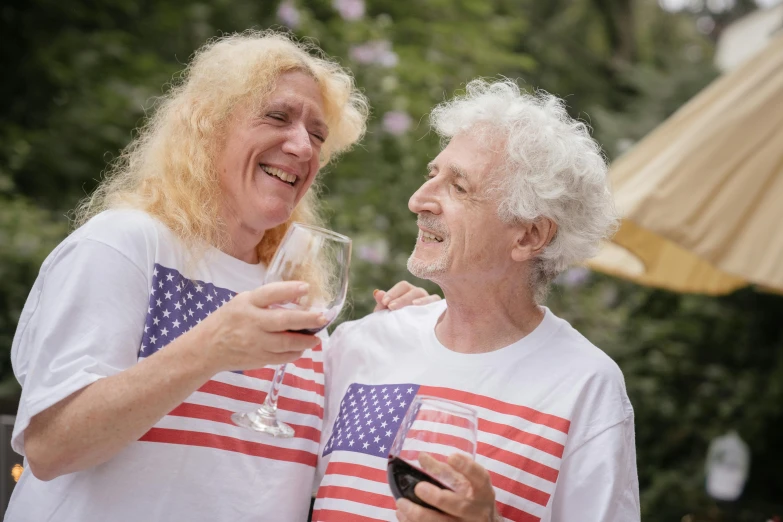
<point x="702" y="196"/>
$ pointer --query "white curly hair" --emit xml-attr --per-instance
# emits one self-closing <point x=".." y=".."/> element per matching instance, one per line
<point x="553" y="168"/>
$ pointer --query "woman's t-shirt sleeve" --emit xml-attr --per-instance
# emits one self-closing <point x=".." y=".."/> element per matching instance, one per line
<point x="83" y="321"/>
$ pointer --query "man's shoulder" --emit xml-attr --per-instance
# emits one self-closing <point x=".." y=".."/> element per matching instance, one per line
<point x="578" y="351"/>
<point x="597" y="379"/>
<point x="598" y="386"/>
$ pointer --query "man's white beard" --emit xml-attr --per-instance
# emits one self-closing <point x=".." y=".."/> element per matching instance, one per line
<point x="427" y="269"/>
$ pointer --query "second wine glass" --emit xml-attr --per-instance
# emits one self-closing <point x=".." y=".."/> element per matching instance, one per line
<point x="321" y="258"/>
<point x="431" y="431"/>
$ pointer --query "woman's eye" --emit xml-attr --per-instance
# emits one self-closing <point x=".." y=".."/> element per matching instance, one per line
<point x="279" y="116"/>
<point x="318" y="137"/>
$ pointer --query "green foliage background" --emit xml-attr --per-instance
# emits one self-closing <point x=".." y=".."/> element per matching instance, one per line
<point x="79" y="74"/>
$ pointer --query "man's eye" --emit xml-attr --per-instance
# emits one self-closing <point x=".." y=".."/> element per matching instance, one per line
<point x="459" y="188"/>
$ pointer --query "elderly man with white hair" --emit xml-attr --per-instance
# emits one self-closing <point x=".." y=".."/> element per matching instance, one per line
<point x="519" y="193"/>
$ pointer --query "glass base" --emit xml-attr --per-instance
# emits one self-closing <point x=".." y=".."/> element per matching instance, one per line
<point x="263" y="421"/>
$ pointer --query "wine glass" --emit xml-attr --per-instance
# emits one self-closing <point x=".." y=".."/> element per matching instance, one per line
<point x="430" y="432"/>
<point x="322" y="258"/>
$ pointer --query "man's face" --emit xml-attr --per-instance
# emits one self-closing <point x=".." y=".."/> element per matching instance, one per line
<point x="271" y="158"/>
<point x="461" y="236"/>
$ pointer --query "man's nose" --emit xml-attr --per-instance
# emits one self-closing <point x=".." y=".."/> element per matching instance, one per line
<point x="298" y="143"/>
<point x="424" y="200"/>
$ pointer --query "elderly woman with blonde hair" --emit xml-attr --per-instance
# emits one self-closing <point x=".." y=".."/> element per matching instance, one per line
<point x="147" y="326"/>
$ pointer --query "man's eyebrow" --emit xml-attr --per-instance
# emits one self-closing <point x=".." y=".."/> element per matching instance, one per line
<point x="458" y="171"/>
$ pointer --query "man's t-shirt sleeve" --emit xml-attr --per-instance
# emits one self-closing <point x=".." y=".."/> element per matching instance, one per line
<point x="83" y="321"/>
<point x="598" y="481"/>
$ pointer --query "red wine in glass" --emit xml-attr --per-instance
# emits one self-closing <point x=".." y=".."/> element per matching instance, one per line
<point x="403" y="478"/>
<point x="329" y="314"/>
<point x="431" y="430"/>
<point x="322" y="258"/>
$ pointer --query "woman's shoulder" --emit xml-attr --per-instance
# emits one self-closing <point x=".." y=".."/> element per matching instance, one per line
<point x="122" y="228"/>
<point x="134" y="234"/>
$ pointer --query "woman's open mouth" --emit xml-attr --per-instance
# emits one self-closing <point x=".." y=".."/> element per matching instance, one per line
<point x="282" y="175"/>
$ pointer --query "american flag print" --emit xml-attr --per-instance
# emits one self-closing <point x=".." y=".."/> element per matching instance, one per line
<point x="520" y="447"/>
<point x="177" y="304"/>
<point x="369" y="418"/>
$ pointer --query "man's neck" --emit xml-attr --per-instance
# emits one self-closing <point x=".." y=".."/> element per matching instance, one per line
<point x="487" y="318"/>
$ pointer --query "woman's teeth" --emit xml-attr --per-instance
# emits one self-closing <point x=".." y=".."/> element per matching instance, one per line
<point x="285" y="176"/>
<point x="430" y="238"/>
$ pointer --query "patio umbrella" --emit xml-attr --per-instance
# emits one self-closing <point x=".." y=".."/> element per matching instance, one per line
<point x="702" y="196"/>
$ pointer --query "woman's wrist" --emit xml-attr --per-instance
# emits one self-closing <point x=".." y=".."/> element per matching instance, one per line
<point x="194" y="354"/>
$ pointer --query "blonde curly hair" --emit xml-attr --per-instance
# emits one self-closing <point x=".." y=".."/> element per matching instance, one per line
<point x="168" y="170"/>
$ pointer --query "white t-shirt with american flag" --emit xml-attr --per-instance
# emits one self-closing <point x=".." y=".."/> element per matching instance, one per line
<point x="555" y="426"/>
<point x="112" y="293"/>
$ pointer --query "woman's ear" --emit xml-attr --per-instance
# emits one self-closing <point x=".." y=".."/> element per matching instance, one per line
<point x="533" y="238"/>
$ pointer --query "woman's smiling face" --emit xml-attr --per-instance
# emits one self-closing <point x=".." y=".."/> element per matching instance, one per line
<point x="270" y="159"/>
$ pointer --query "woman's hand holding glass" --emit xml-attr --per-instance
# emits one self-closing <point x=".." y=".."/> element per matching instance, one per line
<point x="321" y="257"/>
<point x="245" y="333"/>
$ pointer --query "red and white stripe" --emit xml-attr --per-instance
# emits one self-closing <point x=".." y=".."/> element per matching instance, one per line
<point x="520" y="447"/>
<point x="204" y="419"/>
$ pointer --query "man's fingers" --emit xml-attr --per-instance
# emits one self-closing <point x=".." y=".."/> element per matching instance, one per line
<point x="446" y="500"/>
<point x="443" y="472"/>
<point x="476" y="475"/>
<point x="407" y="511"/>
<point x="277" y="293"/>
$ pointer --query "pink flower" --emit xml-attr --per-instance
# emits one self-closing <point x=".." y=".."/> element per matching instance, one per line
<point x="349" y="9"/>
<point x="377" y="52"/>
<point x="288" y="14"/>
<point x="396" y="123"/>
<point x="375" y="252"/>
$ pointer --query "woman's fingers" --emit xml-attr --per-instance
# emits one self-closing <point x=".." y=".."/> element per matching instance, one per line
<point x="283" y="320"/>
<point x="379" y="295"/>
<point x="276" y="293"/>
<point x="426" y="300"/>
<point x="403" y="288"/>
<point x="401" y="295"/>
<point x="284" y="357"/>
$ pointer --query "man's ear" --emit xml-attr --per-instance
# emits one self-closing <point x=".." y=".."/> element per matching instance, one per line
<point x="533" y="238"/>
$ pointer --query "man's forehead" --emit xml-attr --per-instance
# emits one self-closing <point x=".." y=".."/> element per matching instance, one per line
<point x="465" y="159"/>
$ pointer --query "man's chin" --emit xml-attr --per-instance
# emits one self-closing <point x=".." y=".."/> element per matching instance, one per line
<point x="424" y="269"/>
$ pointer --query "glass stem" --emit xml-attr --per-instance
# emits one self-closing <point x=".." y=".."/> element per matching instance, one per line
<point x="270" y="403"/>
